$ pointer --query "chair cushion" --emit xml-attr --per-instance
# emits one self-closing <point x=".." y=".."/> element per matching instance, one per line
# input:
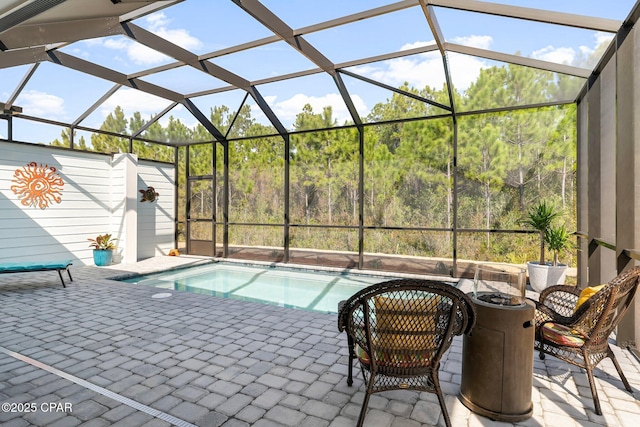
<point x="400" y="329"/>
<point x="402" y="323"/>
<point x="586" y="294"/>
<point x="399" y="359"/>
<point x="561" y="335"/>
<point x="8" y="267"/>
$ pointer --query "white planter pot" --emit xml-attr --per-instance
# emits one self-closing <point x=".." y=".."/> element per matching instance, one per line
<point x="543" y="276"/>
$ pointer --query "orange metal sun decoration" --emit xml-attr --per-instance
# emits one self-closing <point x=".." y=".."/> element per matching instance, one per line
<point x="37" y="185"/>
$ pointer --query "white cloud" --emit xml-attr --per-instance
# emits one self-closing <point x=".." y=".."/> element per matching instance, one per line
<point x="419" y="71"/>
<point x="131" y="100"/>
<point x="480" y="42"/>
<point x="116" y="44"/>
<point x="139" y="54"/>
<point x="602" y="37"/>
<point x="569" y="55"/>
<point x="464" y="70"/>
<point x="415" y="45"/>
<point x="157" y="21"/>
<point x="40" y="104"/>
<point x="586" y="50"/>
<point x="142" y="55"/>
<point x="560" y="55"/>
<point x="427" y="68"/>
<point x="287" y="109"/>
<point x="82" y="53"/>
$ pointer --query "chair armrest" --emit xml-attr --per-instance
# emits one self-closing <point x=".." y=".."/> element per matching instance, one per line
<point x="545" y="314"/>
<point x="342" y="316"/>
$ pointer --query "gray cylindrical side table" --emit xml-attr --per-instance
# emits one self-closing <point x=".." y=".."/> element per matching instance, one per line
<point x="497" y="361"/>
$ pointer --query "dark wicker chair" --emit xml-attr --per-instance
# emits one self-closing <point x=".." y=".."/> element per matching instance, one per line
<point x="399" y="331"/>
<point x="581" y="338"/>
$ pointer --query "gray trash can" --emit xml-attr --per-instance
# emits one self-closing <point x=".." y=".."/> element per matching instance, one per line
<point x="497" y="361"/>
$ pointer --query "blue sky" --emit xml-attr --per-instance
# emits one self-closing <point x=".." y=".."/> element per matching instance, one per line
<point x="204" y="26"/>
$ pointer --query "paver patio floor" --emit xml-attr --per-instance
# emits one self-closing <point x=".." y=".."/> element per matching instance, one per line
<point x="105" y="353"/>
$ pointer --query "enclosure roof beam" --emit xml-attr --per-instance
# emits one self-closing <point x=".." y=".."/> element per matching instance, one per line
<point x="154" y="119"/>
<point x="164" y="46"/>
<point x="96" y="104"/>
<point x="25" y="12"/>
<point x="193" y="109"/>
<point x="111" y="75"/>
<point x="267" y="18"/>
<point x="530" y="14"/>
<point x="340" y="66"/>
<point x="59" y="32"/>
<point x="355" y="116"/>
<point x="259" y="99"/>
<point x="22" y="84"/>
<point x="22" y="57"/>
<point x="396" y="90"/>
<point x="429" y="13"/>
<point x="300" y="31"/>
<point x="519" y="60"/>
<point x="172" y="50"/>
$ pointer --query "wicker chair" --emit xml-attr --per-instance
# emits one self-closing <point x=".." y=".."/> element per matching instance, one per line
<point x="581" y="338"/>
<point x="399" y="331"/>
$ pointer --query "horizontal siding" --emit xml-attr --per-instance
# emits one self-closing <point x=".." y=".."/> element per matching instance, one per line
<point x="86" y="210"/>
<point x="64" y="215"/>
<point x="155" y="220"/>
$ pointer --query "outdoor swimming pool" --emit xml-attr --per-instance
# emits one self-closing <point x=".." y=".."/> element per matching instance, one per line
<point x="287" y="287"/>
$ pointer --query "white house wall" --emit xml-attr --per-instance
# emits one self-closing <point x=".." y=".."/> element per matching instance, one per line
<point x="91" y="204"/>
<point x="156" y="226"/>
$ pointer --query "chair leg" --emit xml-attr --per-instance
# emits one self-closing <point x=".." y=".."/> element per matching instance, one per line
<point x="594" y="392"/>
<point x="592" y="383"/>
<point x="617" y="365"/>
<point x="443" y="405"/>
<point x="351" y="358"/>
<point x="61" y="279"/>
<point x="538" y="343"/>
<point x="365" y="402"/>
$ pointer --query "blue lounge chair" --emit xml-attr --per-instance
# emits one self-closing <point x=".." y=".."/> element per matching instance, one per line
<point x="25" y="267"/>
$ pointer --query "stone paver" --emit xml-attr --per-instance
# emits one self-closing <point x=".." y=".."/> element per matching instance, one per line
<point x="216" y="362"/>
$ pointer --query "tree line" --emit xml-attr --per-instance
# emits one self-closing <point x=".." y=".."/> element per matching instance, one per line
<point x="503" y="161"/>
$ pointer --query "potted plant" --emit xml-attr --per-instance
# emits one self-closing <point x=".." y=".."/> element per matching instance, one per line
<point x="557" y="239"/>
<point x="103" y="246"/>
<point x="541" y="273"/>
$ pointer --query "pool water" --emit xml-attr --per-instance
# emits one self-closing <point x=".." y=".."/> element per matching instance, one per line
<point x="308" y="290"/>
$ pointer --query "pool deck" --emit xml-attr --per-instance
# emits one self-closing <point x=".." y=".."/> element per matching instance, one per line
<point x="106" y="353"/>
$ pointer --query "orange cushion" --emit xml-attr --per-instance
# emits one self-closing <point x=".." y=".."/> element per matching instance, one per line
<point x="586" y="294"/>
<point x="561" y="335"/>
<point x="391" y="358"/>
<point x="400" y="330"/>
<point x="399" y="322"/>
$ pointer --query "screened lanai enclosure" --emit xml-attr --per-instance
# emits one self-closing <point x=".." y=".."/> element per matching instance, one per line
<point x="404" y="136"/>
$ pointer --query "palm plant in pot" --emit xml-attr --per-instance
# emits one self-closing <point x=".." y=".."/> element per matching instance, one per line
<point x="541" y="273"/>
<point x="103" y="246"/>
<point x="557" y="239"/>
